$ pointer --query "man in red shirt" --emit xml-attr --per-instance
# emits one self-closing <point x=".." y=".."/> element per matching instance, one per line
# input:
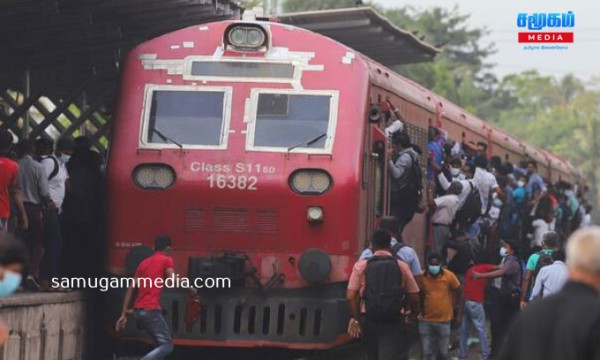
<point x="473" y="311"/>
<point x="9" y="186"/>
<point x="147" y="311"/>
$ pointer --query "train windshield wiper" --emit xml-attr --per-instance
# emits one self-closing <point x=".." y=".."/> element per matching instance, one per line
<point x="165" y="138"/>
<point x="308" y="142"/>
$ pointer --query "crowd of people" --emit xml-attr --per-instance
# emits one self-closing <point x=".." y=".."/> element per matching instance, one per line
<point x="51" y="200"/>
<point x="498" y="238"/>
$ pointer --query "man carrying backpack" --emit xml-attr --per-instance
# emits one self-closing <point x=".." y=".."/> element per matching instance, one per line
<point x="383" y="283"/>
<point x="442" y="290"/>
<point x="406" y="183"/>
<point x="551" y="278"/>
<point x="537" y="261"/>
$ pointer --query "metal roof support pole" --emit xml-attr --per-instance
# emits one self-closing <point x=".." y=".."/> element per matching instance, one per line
<point x="25" y="130"/>
<point x="84" y="105"/>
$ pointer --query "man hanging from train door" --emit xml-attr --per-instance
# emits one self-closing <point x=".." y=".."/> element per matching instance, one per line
<point x="406" y="181"/>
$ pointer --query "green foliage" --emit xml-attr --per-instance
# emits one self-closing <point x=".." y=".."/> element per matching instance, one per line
<point x="559" y="115"/>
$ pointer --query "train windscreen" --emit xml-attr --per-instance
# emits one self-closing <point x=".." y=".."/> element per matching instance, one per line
<point x="186" y="117"/>
<point x="292" y="120"/>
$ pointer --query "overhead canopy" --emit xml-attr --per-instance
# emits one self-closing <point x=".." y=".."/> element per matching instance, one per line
<point x="73" y="37"/>
<point x="60" y="59"/>
<point x="366" y="31"/>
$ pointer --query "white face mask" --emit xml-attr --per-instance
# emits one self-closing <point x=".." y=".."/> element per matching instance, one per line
<point x="520" y="183"/>
<point x="455" y="171"/>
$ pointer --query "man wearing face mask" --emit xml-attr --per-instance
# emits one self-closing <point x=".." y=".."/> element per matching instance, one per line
<point x="505" y="297"/>
<point x="12" y="264"/>
<point x="64" y="150"/>
<point x="441" y="290"/>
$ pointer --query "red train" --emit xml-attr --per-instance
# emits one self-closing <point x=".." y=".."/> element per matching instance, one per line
<point x="250" y="144"/>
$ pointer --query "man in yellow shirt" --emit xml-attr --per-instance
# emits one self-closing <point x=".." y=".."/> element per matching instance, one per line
<point x="441" y="290"/>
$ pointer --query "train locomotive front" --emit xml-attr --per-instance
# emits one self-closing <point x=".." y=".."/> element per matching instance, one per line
<point x="245" y="142"/>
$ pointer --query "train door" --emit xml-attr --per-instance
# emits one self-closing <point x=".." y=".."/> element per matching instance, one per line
<point x="376" y="198"/>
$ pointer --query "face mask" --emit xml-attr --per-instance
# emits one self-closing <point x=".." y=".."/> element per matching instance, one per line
<point x="434" y="269"/>
<point x="503" y="252"/>
<point x="455" y="171"/>
<point x="64" y="158"/>
<point x="497" y="203"/>
<point x="520" y="183"/>
<point x="10" y="283"/>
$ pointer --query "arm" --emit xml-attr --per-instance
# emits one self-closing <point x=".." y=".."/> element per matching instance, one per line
<point x="443" y="181"/>
<point x="123" y="318"/>
<point x="44" y="189"/>
<point x="414" y="302"/>
<point x="492" y="274"/>
<point x="459" y="300"/>
<point x="451" y="254"/>
<point x="539" y="197"/>
<point x="17" y="196"/>
<point x="354" y="306"/>
<point x="402" y="164"/>
<point x="169" y="273"/>
<point x="525" y="287"/>
<point x="537" y="287"/>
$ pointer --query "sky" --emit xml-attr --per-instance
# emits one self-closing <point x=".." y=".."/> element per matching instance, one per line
<point x="500" y="17"/>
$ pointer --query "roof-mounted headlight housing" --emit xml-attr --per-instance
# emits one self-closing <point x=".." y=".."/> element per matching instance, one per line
<point x="246" y="37"/>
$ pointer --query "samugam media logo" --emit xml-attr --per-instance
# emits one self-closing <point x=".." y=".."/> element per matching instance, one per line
<point x="539" y="21"/>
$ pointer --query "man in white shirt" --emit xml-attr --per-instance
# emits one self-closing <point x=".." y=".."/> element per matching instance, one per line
<point x="445" y="210"/>
<point x="540" y="227"/>
<point x="485" y="183"/>
<point x="56" y="173"/>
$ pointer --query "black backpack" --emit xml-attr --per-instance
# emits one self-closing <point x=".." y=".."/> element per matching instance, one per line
<point x="471" y="209"/>
<point x="577" y="219"/>
<point x="55" y="169"/>
<point x="543" y="260"/>
<point x="384" y="294"/>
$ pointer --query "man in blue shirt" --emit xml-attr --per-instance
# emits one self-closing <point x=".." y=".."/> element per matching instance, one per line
<point x="536" y="188"/>
<point x="551" y="279"/>
<point x="405" y="253"/>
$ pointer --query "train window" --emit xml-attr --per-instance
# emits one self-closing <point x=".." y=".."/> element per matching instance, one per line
<point x="181" y="117"/>
<point x="293" y="120"/>
<point x="242" y="69"/>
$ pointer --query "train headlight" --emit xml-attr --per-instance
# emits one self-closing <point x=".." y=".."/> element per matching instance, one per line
<point x="310" y="182"/>
<point x="154" y="176"/>
<point x="255" y="37"/>
<point x="315" y="214"/>
<point x="246" y="37"/>
<point x="238" y="37"/>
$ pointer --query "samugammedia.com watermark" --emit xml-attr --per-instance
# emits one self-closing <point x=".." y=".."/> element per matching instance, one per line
<point x="106" y="283"/>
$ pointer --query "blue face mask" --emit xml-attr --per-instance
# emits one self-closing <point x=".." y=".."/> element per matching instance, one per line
<point x="434" y="269"/>
<point x="64" y="158"/>
<point x="10" y="283"/>
<point x="503" y="252"/>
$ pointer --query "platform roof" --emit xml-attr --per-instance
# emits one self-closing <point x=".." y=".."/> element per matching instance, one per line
<point x="366" y="31"/>
<point x="69" y="38"/>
